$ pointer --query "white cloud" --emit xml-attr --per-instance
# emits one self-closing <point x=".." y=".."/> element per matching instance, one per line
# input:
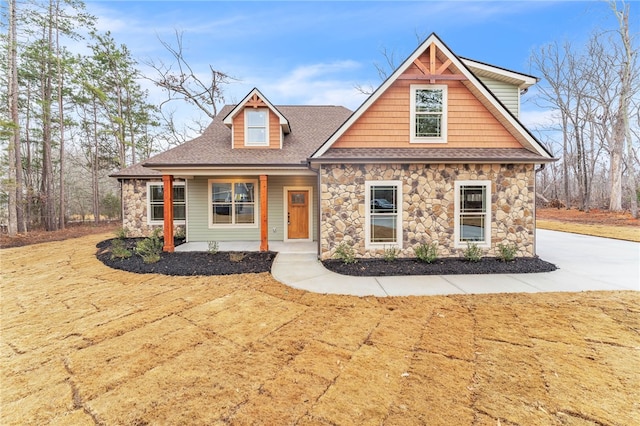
<point x="540" y="119"/>
<point x="316" y="84"/>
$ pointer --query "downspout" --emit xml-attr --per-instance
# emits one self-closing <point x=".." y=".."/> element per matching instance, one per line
<point x="121" y="184"/>
<point x="535" y="201"/>
<point x="318" y="206"/>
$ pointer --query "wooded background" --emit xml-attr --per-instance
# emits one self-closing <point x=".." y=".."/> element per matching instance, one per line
<point x="68" y="120"/>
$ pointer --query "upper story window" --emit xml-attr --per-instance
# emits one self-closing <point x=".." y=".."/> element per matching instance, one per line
<point x="155" y="203"/>
<point x="256" y="127"/>
<point x="428" y="113"/>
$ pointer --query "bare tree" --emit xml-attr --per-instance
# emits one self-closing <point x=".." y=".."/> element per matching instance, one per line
<point x="183" y="83"/>
<point x="621" y="129"/>
<point x="383" y="70"/>
<point x="592" y="89"/>
<point x="14" y="184"/>
<point x="552" y="63"/>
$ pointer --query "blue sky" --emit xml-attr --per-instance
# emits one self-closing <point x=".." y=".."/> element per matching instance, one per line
<point x="316" y="52"/>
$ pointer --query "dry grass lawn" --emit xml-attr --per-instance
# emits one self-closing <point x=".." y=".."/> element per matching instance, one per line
<point x="599" y="223"/>
<point x="84" y="344"/>
<point x="627" y="233"/>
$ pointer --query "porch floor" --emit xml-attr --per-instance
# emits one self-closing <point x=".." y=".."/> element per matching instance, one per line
<point x="278" y="246"/>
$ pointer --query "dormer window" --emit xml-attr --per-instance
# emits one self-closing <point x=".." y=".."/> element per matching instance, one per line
<point x="428" y="113"/>
<point x="256" y="127"/>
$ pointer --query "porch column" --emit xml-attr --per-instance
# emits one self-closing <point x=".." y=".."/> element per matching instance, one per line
<point x="167" y="181"/>
<point x="264" y="222"/>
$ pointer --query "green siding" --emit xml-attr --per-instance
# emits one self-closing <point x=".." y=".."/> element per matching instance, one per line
<point x="198" y="210"/>
<point x="276" y="203"/>
<point x="507" y="93"/>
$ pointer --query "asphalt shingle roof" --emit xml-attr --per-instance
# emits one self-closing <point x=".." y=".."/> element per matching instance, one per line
<point x="310" y="127"/>
<point x="430" y="154"/>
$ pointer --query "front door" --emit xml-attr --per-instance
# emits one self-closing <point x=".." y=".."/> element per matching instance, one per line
<point x="298" y="214"/>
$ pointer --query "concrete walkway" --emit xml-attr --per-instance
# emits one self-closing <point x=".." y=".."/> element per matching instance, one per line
<point x="584" y="262"/>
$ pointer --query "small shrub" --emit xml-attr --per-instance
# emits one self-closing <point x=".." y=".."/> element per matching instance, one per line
<point x="214" y="247"/>
<point x="346" y="253"/>
<point x="472" y="253"/>
<point x="427" y="252"/>
<point x="390" y="254"/>
<point x="507" y="252"/>
<point x="119" y="250"/>
<point x="121" y="233"/>
<point x="180" y="234"/>
<point x="150" y="248"/>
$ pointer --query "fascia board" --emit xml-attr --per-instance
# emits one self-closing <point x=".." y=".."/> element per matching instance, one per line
<point x="524" y="80"/>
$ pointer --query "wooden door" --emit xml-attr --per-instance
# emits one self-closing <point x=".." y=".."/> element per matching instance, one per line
<point x="298" y="215"/>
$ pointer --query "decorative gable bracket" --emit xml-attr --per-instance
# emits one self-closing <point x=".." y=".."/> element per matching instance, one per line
<point x="430" y="72"/>
<point x="256" y="99"/>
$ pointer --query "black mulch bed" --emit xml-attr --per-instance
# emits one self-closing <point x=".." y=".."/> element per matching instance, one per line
<point x="188" y="263"/>
<point x="447" y="266"/>
<point x="227" y="263"/>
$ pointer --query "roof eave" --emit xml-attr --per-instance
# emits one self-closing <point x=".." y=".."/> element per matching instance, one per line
<point x="160" y="166"/>
<point x="417" y="160"/>
<point x="524" y="81"/>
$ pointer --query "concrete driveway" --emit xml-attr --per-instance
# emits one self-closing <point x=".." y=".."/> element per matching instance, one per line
<point x="584" y="263"/>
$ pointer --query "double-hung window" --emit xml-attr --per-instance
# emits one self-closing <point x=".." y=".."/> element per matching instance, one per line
<point x="256" y="126"/>
<point x="472" y="213"/>
<point x="383" y="214"/>
<point x="233" y="202"/>
<point x="155" y="203"/>
<point x="428" y="113"/>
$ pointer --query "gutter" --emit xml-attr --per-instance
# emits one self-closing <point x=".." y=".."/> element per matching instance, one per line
<point x="224" y="166"/>
<point x="448" y="160"/>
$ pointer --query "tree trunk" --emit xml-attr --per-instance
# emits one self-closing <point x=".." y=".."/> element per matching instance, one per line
<point x="622" y="116"/>
<point x="565" y="163"/>
<point x="61" y="201"/>
<point x="95" y="187"/>
<point x="46" y="185"/>
<point x="29" y="166"/>
<point x="14" y="138"/>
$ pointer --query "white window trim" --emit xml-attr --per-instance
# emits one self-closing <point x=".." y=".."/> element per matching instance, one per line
<point x="161" y="222"/>
<point x="487" y="224"/>
<point x="285" y="195"/>
<point x="256" y="216"/>
<point x="367" y="214"/>
<point x="246" y="128"/>
<point x="445" y="97"/>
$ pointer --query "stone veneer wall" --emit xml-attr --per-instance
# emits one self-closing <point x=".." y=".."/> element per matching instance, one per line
<point x="428" y="205"/>
<point x="134" y="208"/>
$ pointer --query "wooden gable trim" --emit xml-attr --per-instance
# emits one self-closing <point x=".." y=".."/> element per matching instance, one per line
<point x="255" y="102"/>
<point x="421" y="67"/>
<point x="510" y="122"/>
<point x="251" y="100"/>
<point x="433" y="77"/>
<point x="444" y="66"/>
<point x="431" y="73"/>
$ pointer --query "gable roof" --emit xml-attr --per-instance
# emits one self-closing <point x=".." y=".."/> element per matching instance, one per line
<point x="213" y="149"/>
<point x="522" y="81"/>
<point x="473" y="83"/>
<point x="228" y="119"/>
